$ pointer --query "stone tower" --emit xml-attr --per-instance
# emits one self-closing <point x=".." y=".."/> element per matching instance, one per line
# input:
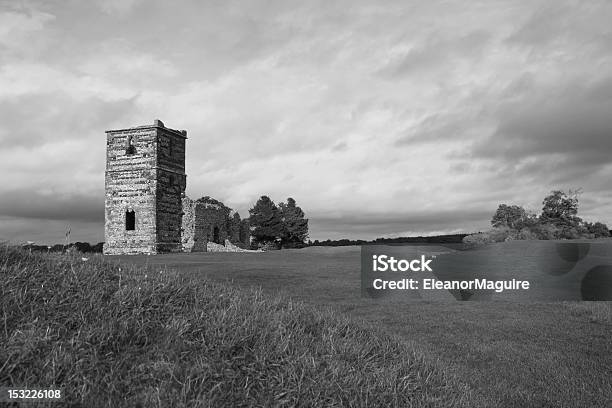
<point x="145" y="182"/>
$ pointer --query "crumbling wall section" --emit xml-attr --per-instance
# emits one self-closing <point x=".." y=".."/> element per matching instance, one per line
<point x="208" y="221"/>
<point x="244" y="237"/>
<point x="212" y="219"/>
<point x="188" y="225"/>
<point x="234" y="230"/>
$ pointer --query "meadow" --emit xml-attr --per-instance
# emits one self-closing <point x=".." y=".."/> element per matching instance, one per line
<point x="283" y="328"/>
<point x="111" y="335"/>
<point x="510" y="354"/>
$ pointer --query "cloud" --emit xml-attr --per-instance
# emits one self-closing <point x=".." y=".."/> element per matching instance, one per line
<point x="18" y="27"/>
<point x="377" y="119"/>
<point x="118" y="7"/>
<point x="410" y="223"/>
<point x="438" y="52"/>
<point x="570" y="124"/>
<point x="48" y="232"/>
<point x="339" y="147"/>
<point x="58" y="206"/>
<point x="35" y="119"/>
<point x="558" y="26"/>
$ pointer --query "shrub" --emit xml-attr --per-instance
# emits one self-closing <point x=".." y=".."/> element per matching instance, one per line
<point x="558" y="220"/>
<point x="527" y="234"/>
<point x="598" y="229"/>
<point x="494" y="235"/>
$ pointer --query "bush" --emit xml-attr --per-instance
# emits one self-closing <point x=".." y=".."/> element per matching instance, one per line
<point x="598" y="229"/>
<point x="478" y="239"/>
<point x="558" y="220"/>
<point x="501" y="234"/>
<point x="547" y="231"/>
<point x="527" y="234"/>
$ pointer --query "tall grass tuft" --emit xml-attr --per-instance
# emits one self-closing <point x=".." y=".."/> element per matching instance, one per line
<point x="116" y="337"/>
<point x="596" y="312"/>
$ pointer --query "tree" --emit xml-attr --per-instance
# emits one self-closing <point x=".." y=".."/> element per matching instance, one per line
<point x="234" y="228"/>
<point x="512" y="216"/>
<point x="558" y="220"/>
<point x="295" y="226"/>
<point x="598" y="229"/>
<point x="265" y="221"/>
<point x="560" y="210"/>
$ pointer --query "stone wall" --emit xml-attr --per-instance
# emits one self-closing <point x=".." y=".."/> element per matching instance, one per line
<point x="171" y="183"/>
<point x="244" y="237"/>
<point x="188" y="225"/>
<point x="207" y="220"/>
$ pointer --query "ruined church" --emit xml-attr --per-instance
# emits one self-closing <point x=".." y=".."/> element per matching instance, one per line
<point x="146" y="209"/>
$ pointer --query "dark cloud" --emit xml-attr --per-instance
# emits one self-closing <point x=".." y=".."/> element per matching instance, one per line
<point x="557" y="25"/>
<point x="49" y="232"/>
<point x="437" y="128"/>
<point x="571" y="122"/>
<point x="60" y="206"/>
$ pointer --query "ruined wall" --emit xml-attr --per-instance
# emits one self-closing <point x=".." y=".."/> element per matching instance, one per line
<point x="208" y="220"/>
<point x="144" y="183"/>
<point x="212" y="220"/>
<point x="234" y="227"/>
<point x="244" y="237"/>
<point x="188" y="225"/>
<point x="193" y="236"/>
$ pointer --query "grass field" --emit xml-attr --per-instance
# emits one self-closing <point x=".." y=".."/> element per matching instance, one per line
<point x="508" y="354"/>
<point x="112" y="335"/>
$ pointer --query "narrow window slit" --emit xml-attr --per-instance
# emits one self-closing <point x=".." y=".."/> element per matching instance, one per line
<point x="130" y="220"/>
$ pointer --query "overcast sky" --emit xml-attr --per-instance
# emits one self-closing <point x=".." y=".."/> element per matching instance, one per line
<point x="379" y="118"/>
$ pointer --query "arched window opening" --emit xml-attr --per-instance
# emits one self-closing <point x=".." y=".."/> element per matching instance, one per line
<point x="130" y="148"/>
<point x="130" y="220"/>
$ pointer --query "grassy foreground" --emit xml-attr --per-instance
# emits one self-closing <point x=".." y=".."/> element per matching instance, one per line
<point x="147" y="337"/>
<point x="510" y="354"/>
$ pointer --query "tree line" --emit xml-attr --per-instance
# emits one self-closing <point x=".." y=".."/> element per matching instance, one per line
<point x="431" y="239"/>
<point x="558" y="220"/>
<point x="277" y="226"/>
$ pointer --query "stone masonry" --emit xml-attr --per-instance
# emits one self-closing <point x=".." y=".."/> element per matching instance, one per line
<point x="145" y="183"/>
<point x="207" y="220"/>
